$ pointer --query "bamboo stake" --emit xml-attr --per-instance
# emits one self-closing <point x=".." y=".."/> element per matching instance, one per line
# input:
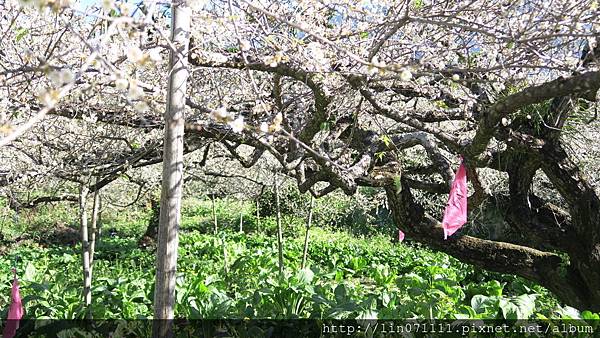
<point x="87" y="274"/>
<point x="279" y="229"/>
<point x="308" y="225"/>
<point x="214" y="213"/>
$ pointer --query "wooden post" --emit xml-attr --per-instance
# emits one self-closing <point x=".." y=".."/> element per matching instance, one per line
<point x="91" y="249"/>
<point x="279" y="229"/>
<point x="225" y="266"/>
<point x="85" y="254"/>
<point x="94" y="227"/>
<point x="214" y="213"/>
<point x="241" y="221"/>
<point x="99" y="221"/>
<point x="257" y="215"/>
<point x="172" y="173"/>
<point x="308" y="225"/>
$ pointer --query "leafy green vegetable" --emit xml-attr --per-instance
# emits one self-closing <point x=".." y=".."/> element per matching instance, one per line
<point x="347" y="277"/>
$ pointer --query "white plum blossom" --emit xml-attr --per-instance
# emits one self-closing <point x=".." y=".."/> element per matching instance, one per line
<point x="135" y="91"/>
<point x="197" y="5"/>
<point x="237" y="125"/>
<point x="61" y="77"/>
<point x="91" y="118"/>
<point x="4" y="104"/>
<point x="269" y="60"/>
<point x="371" y="70"/>
<point x="154" y="55"/>
<point x="355" y="68"/>
<point x="264" y="127"/>
<point x="274" y="60"/>
<point x="375" y="61"/>
<point x="121" y="84"/>
<point x="217" y="57"/>
<point x="405" y="75"/>
<point x="245" y="45"/>
<point x="261" y="107"/>
<point x="54" y="77"/>
<point x="317" y="55"/>
<point x="48" y="97"/>
<point x="135" y="54"/>
<point x="376" y="66"/>
<point x="141" y="106"/>
<point x="276" y="125"/>
<point x="126" y="8"/>
<point x="39" y="4"/>
<point x="221" y="114"/>
<point x="108" y="4"/>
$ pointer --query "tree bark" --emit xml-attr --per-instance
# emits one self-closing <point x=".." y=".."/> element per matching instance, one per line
<point x="85" y="247"/>
<point x="150" y="236"/>
<point x="172" y="176"/>
<point x="574" y="284"/>
<point x="584" y="211"/>
<point x="308" y="225"/>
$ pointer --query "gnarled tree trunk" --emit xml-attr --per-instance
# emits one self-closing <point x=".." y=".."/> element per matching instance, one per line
<point x="577" y="283"/>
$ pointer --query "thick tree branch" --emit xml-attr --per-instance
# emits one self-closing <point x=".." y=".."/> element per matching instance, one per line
<point x="391" y="113"/>
<point x="539" y="266"/>
<point x="491" y="119"/>
<point x="321" y="98"/>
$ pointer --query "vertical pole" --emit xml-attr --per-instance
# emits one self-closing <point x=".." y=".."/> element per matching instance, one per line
<point x="225" y="256"/>
<point x="257" y="215"/>
<point x="87" y="276"/>
<point x="172" y="173"/>
<point x="94" y="227"/>
<point x="308" y="225"/>
<point x="279" y="229"/>
<point x="214" y="213"/>
<point x="99" y="221"/>
<point x="91" y="249"/>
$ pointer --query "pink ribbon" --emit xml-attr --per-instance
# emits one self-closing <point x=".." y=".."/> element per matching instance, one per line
<point x="400" y="236"/>
<point x="15" y="312"/>
<point x="455" y="215"/>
